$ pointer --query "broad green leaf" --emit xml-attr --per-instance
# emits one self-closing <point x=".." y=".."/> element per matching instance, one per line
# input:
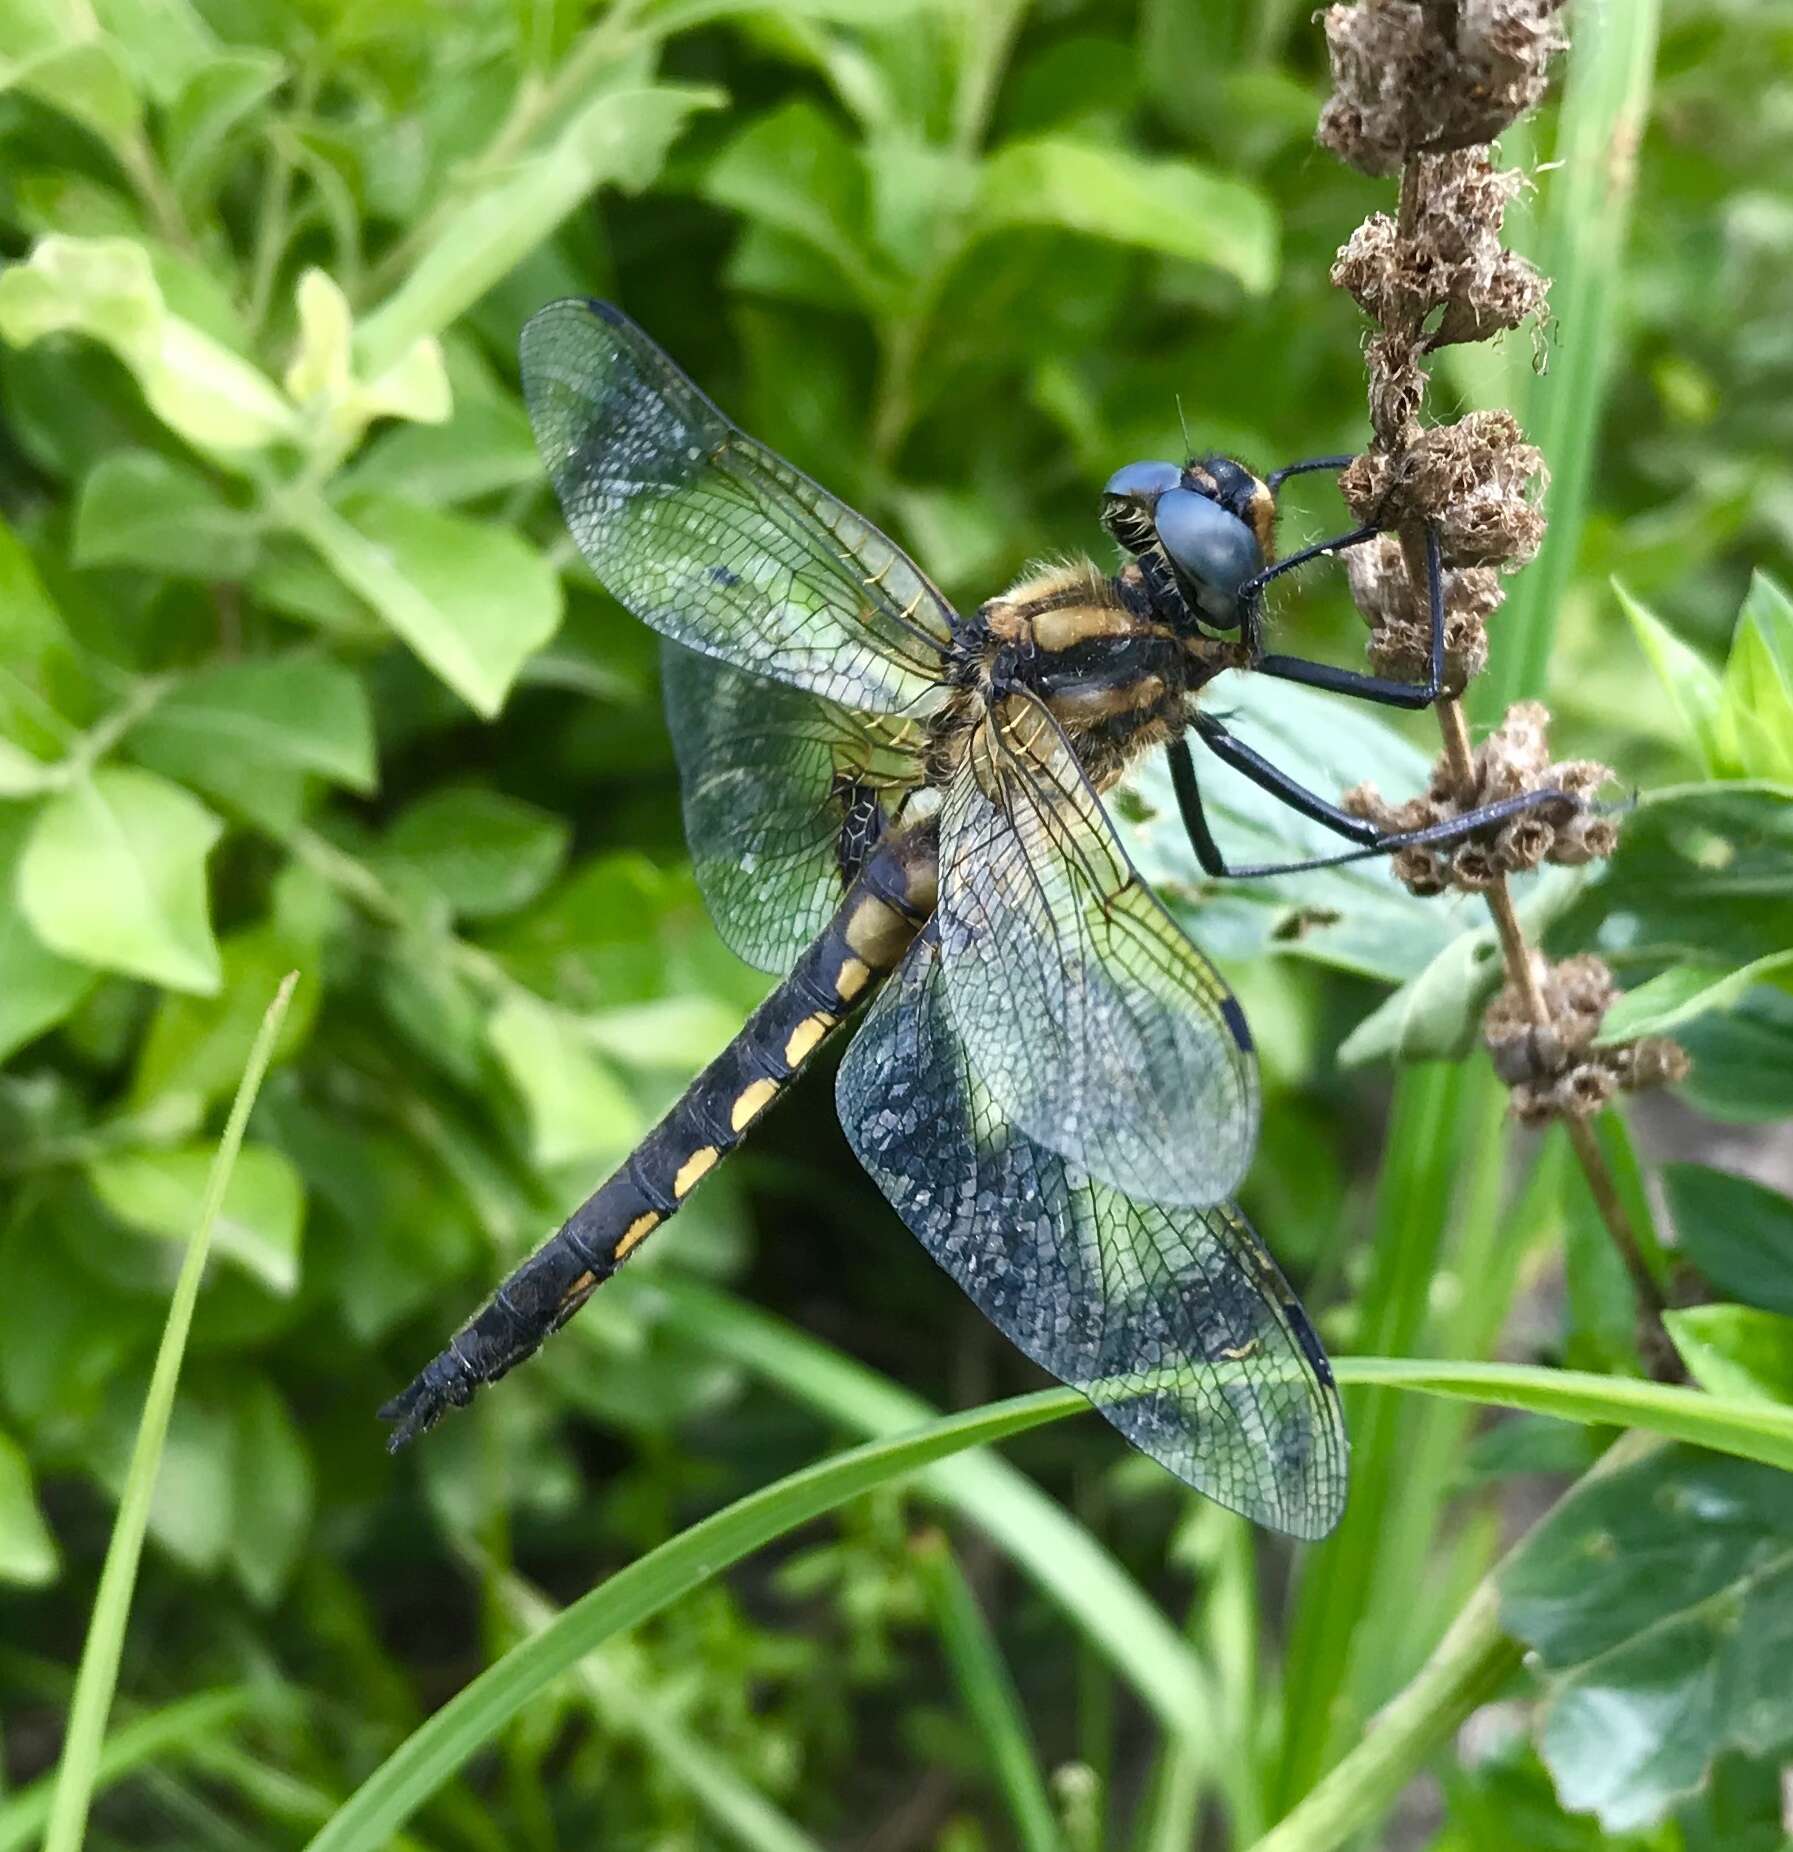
<point x="193" y="1507"/>
<point x="1737" y="1232"/>
<point x="1743" y="1061"/>
<point x="216" y="97"/>
<point x="1659" y="1601"/>
<point x="86" y="79"/>
<point x="1683" y="992"/>
<point x="114" y="875"/>
<point x="37" y="987"/>
<point x="795" y="173"/>
<point x="1755" y="724"/>
<point x="196" y="1046"/>
<point x="224" y="725"/>
<point x="259" y="1218"/>
<point x="105" y="288"/>
<point x="1690" y="681"/>
<point x="138" y="509"/>
<point x="1436" y="1015"/>
<point x="1735" y="1350"/>
<point x="39" y="673"/>
<point x="1176" y="208"/>
<point x="473" y="600"/>
<point x="274" y="1494"/>
<point x="483" y="852"/>
<point x="27" y="1549"/>
<point x="578" y="1110"/>
<point x="165" y="41"/>
<point x="620" y="138"/>
<point x="1703" y="875"/>
<point x="484" y="448"/>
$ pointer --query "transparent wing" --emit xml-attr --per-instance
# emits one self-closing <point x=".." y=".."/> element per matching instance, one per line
<point x="1173" y="1320"/>
<point x="784" y="794"/>
<point x="712" y="538"/>
<point x="1100" y="1031"/>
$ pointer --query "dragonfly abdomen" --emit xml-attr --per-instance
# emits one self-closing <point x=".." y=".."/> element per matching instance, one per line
<point x="874" y="925"/>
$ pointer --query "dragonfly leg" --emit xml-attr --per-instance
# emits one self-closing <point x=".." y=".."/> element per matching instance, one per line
<point x="1379" y="688"/>
<point x="1286" y="790"/>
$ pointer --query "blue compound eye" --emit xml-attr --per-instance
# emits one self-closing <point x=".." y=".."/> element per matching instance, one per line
<point x="1207" y="545"/>
<point x="1144" y="479"/>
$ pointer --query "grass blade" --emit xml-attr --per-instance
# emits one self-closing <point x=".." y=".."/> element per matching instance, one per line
<point x="988" y="1693"/>
<point x="1605" y="102"/>
<point x="474" y="1716"/>
<point x="1035" y="1532"/>
<point x="97" y="1678"/>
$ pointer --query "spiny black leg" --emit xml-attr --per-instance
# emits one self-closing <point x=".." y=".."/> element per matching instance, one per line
<point x="1299" y="798"/>
<point x="1379" y="688"/>
<point x="1189" y="807"/>
<point x="1277" y="478"/>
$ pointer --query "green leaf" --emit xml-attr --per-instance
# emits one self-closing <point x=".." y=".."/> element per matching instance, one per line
<point x="303" y="713"/>
<point x="86" y="80"/>
<point x="215" y="98"/>
<point x="114" y="875"/>
<point x="795" y="173"/>
<point x="258" y="1221"/>
<point x="38" y="668"/>
<point x="274" y="1494"/>
<point x="1692" y="684"/>
<point x="78" y="1772"/>
<point x="578" y="1109"/>
<point x="1735" y="1350"/>
<point x="166" y="41"/>
<point x="37" y="987"/>
<point x="483" y="852"/>
<point x="1737" y="1232"/>
<point x="105" y="288"/>
<point x="620" y="138"/>
<point x="1176" y="208"/>
<point x="1703" y="875"/>
<point x="27" y="1550"/>
<point x="1683" y="992"/>
<point x="196" y="1046"/>
<point x="138" y="509"/>
<point x="1659" y="1601"/>
<point x="1755" y="724"/>
<point x="1743" y="1062"/>
<point x="1436" y="1015"/>
<point x="411" y="385"/>
<point x="473" y="600"/>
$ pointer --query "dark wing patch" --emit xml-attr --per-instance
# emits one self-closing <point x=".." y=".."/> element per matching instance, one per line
<point x="712" y="538"/>
<point x="1173" y="1320"/>
<point x="777" y="784"/>
<point x="1100" y="1031"/>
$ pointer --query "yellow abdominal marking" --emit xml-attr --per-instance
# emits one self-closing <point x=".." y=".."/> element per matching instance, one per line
<point x="694" y="1167"/>
<point x="752" y="1101"/>
<point x="580" y="1287"/>
<point x="805" y="1037"/>
<point x="637" y="1231"/>
<point x="850" y="982"/>
<point x="1240" y="1352"/>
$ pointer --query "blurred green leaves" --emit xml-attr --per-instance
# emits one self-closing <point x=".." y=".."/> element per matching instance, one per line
<point x="1659" y="1600"/>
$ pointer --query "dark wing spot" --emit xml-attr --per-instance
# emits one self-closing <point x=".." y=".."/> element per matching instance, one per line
<point x="1235" y="1020"/>
<point x="720" y="575"/>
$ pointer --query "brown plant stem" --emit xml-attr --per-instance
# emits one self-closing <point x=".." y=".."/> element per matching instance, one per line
<point x="1657" y="1352"/>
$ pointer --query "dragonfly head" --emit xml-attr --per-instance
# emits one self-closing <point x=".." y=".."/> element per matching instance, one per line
<point x="1211" y="521"/>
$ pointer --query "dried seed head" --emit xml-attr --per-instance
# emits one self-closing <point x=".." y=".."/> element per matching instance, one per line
<point x="1553" y="1067"/>
<point x="1400" y="629"/>
<point x="1401" y="87"/>
<point x="1447" y="277"/>
<point x="1476" y="481"/>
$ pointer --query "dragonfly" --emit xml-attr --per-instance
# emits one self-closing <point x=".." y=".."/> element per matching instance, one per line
<point x="898" y="808"/>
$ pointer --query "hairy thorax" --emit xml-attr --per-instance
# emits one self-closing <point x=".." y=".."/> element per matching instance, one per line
<point x="1116" y="680"/>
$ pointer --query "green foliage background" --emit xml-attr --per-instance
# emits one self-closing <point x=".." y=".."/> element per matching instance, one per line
<point x="298" y="671"/>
